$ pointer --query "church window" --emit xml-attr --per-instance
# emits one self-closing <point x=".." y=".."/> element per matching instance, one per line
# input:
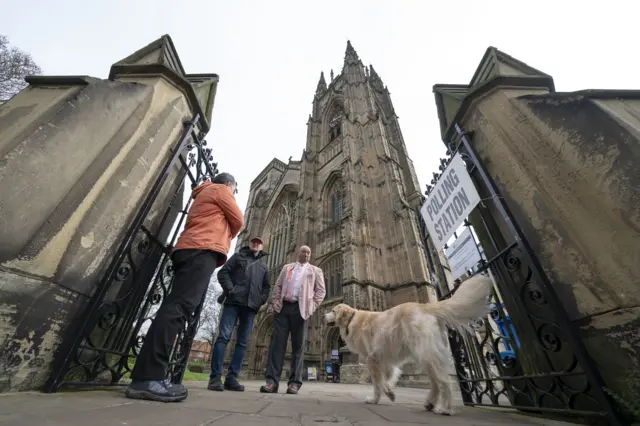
<point x="332" y="271"/>
<point x="335" y="124"/>
<point x="335" y="202"/>
<point x="336" y="207"/>
<point x="279" y="232"/>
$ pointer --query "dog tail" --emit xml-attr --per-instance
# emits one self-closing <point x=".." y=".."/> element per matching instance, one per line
<point x="468" y="303"/>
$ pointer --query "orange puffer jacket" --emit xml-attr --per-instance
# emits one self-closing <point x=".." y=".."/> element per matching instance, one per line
<point x="214" y="219"/>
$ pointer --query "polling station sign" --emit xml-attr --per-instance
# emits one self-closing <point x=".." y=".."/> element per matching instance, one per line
<point x="450" y="202"/>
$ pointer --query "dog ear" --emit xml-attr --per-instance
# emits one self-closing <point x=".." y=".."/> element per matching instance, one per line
<point x="340" y="310"/>
<point x="337" y="311"/>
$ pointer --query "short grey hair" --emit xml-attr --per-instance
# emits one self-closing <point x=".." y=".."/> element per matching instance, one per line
<point x="224" y="178"/>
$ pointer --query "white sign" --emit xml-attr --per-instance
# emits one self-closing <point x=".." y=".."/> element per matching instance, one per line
<point x="463" y="254"/>
<point x="450" y="202"/>
<point x="312" y="373"/>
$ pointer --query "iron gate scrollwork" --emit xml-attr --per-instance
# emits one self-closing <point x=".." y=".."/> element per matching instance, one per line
<point x="526" y="354"/>
<point x="110" y="333"/>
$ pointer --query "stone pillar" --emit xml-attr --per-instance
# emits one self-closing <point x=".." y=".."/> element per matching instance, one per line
<point x="352" y="370"/>
<point x="569" y="172"/>
<point x="567" y="167"/>
<point x="77" y="157"/>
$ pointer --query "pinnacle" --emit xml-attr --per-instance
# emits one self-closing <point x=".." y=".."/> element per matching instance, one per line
<point x="350" y="54"/>
<point x="373" y="72"/>
<point x="322" y="83"/>
<point x="349" y="46"/>
<point x="375" y="79"/>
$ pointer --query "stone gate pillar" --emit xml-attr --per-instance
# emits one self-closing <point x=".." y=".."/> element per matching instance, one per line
<point x="567" y="166"/>
<point x="77" y="157"/>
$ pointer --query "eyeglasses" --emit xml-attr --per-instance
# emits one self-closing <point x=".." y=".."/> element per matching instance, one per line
<point x="235" y="188"/>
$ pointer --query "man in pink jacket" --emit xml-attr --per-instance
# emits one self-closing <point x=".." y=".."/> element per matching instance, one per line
<point x="298" y="292"/>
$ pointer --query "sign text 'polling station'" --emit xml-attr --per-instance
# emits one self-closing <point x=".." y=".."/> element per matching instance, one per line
<point x="450" y="202"/>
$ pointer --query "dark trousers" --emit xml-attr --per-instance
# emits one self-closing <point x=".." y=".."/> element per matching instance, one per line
<point x="193" y="270"/>
<point x="231" y="314"/>
<point x="288" y="320"/>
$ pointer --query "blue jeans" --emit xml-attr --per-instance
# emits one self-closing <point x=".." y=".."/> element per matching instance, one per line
<point x="230" y="315"/>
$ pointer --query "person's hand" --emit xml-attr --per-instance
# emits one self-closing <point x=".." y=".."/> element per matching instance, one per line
<point x="221" y="298"/>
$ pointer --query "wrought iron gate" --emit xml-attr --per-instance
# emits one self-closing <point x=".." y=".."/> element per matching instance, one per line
<point x="526" y="355"/>
<point x="110" y="333"/>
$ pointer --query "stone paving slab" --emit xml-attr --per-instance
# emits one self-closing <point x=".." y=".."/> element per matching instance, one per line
<point x="318" y="404"/>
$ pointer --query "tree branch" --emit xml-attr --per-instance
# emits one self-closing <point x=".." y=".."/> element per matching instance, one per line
<point x="15" y="65"/>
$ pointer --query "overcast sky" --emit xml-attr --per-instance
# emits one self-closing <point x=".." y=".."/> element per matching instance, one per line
<point x="269" y="55"/>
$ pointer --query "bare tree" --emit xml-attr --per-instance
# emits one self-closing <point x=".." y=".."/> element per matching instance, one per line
<point x="15" y="65"/>
<point x="210" y="315"/>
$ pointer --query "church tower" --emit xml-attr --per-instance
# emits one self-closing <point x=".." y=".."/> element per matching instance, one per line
<point x="359" y="193"/>
<point x="352" y="198"/>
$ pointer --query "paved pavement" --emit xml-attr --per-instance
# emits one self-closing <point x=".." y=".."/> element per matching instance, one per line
<point x="317" y="404"/>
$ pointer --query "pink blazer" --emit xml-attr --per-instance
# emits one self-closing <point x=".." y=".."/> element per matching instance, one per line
<point x="312" y="290"/>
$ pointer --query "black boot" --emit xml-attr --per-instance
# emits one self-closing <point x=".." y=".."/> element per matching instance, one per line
<point x="156" y="390"/>
<point x="215" y="384"/>
<point x="232" y="384"/>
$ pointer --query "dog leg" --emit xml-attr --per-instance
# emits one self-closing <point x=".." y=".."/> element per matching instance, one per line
<point x="393" y="374"/>
<point x="441" y="404"/>
<point x="376" y="380"/>
<point x="432" y="355"/>
<point x="434" y="390"/>
<point x="445" y="401"/>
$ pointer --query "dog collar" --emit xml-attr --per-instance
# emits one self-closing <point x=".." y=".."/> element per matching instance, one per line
<point x="349" y="322"/>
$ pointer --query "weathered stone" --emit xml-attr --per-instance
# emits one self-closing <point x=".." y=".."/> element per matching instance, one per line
<point x="354" y="374"/>
<point x="565" y="164"/>
<point x="34" y="315"/>
<point x="616" y="336"/>
<point x="78" y="155"/>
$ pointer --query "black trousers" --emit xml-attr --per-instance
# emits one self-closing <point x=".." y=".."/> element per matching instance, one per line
<point x="287" y="321"/>
<point x="193" y="270"/>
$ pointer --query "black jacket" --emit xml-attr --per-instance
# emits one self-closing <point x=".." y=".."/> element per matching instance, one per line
<point x="244" y="280"/>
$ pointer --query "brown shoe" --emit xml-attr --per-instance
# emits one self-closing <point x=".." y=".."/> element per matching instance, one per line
<point x="293" y="389"/>
<point x="268" y="388"/>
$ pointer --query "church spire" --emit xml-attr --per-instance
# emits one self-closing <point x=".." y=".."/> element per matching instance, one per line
<point x="350" y="56"/>
<point x="353" y="70"/>
<point x="322" y="84"/>
<point x="374" y="79"/>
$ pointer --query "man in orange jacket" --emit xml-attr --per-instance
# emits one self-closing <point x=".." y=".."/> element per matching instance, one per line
<point x="214" y="219"/>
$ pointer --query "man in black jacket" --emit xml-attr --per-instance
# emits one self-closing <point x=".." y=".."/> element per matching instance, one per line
<point x="245" y="284"/>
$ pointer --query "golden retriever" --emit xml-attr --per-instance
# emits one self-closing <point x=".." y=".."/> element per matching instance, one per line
<point x="412" y="332"/>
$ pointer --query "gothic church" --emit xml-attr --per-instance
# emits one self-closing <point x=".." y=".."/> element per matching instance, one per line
<point x="352" y="198"/>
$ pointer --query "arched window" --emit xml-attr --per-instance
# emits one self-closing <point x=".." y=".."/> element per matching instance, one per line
<point x="335" y="123"/>
<point x="336" y="206"/>
<point x="333" y="196"/>
<point x="332" y="271"/>
<point x="279" y="231"/>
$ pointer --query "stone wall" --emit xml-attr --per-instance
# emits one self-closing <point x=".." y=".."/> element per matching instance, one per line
<point x="78" y="157"/>
<point x="567" y="165"/>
